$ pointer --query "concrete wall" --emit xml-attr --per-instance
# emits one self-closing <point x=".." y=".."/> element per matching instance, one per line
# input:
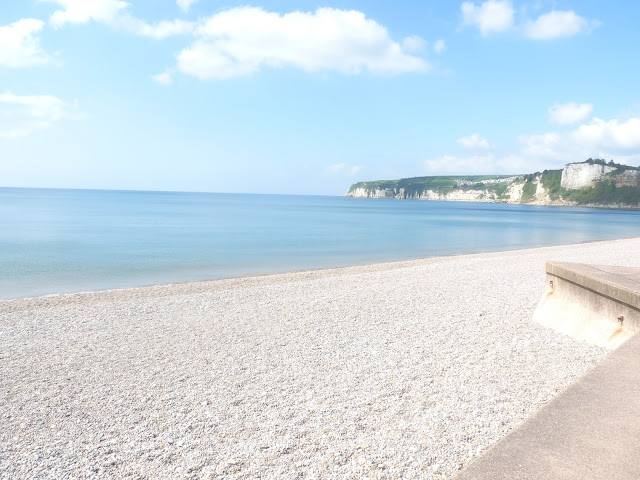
<point x="586" y="302"/>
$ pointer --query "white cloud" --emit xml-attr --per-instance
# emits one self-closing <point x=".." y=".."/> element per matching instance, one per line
<point x="570" y="113"/>
<point x="439" y="46"/>
<point x="495" y="16"/>
<point x="414" y="44"/>
<point x="82" y="11"/>
<point x="613" y="135"/>
<point x="473" y="141"/>
<point x="158" y="31"/>
<point x="20" y="45"/>
<point x="543" y="146"/>
<point x="492" y="16"/>
<point x="242" y="40"/>
<point x="343" y="169"/>
<point x="164" y="78"/>
<point x="22" y="115"/>
<point x="556" y="24"/>
<point x="185" y="4"/>
<point x="114" y="14"/>
<point x="597" y="138"/>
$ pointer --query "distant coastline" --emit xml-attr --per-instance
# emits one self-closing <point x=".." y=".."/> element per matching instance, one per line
<point x="593" y="183"/>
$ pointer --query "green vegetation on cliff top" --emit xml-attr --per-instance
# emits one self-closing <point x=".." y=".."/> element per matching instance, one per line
<point x="598" y="161"/>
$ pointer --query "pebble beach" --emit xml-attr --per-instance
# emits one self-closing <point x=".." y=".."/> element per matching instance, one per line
<point x="386" y="371"/>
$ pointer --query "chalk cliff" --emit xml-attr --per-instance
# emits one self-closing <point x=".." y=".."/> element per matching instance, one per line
<point x="513" y="193"/>
<point x="581" y="175"/>
<point x="628" y="178"/>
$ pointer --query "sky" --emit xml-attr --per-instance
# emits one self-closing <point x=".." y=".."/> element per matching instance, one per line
<point x="308" y="98"/>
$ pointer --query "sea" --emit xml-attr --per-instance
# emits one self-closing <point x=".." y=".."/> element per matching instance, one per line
<point x="57" y="241"/>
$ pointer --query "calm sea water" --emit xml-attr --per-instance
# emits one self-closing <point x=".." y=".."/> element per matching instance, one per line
<point x="54" y="241"/>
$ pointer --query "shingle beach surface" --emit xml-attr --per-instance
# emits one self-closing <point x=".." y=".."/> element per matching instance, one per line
<point x="399" y="370"/>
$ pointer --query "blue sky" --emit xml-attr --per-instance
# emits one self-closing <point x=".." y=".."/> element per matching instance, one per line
<point x="304" y="97"/>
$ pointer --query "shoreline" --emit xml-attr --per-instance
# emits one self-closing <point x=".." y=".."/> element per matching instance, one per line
<point x="384" y="264"/>
<point x="602" y="206"/>
<point x="408" y="368"/>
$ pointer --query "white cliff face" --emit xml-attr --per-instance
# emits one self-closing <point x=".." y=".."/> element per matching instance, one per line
<point x="515" y="191"/>
<point x="453" y="196"/>
<point x="513" y="194"/>
<point x="582" y="175"/>
<point x="542" y="195"/>
<point x="461" y="196"/>
<point x="628" y="178"/>
<point x="377" y="193"/>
